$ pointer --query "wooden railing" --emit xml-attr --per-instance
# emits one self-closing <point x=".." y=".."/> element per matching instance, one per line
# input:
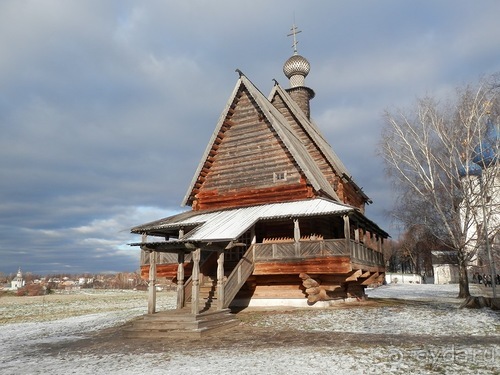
<point x="281" y="250"/>
<point x="286" y="250"/>
<point x="240" y="274"/>
<point x="364" y="255"/>
<point x="163" y="258"/>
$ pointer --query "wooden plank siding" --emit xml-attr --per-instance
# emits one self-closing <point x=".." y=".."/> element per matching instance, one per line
<point x="315" y="257"/>
<point x="218" y="199"/>
<point x="337" y="264"/>
<point x="166" y="271"/>
<point x="242" y="169"/>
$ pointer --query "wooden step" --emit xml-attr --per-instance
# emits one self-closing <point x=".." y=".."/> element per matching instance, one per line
<point x="180" y="323"/>
<point x="180" y="333"/>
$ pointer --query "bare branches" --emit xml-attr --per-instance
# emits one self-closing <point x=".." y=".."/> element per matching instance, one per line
<point x="428" y="152"/>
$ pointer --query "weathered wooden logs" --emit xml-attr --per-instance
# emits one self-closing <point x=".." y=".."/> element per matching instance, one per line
<point x="317" y="292"/>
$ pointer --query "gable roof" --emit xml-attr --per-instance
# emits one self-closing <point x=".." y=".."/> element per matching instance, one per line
<point x="315" y="135"/>
<point x="283" y="130"/>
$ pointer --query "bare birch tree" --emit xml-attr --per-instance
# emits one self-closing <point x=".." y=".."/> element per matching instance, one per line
<point x="424" y="150"/>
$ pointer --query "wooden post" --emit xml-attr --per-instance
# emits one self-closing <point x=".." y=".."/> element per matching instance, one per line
<point x="195" y="276"/>
<point x="144" y="253"/>
<point x="254" y="240"/>
<point x="296" y="230"/>
<point x="296" y="237"/>
<point x="152" y="282"/>
<point x="180" y="280"/>
<point x="347" y="233"/>
<point x="220" y="280"/>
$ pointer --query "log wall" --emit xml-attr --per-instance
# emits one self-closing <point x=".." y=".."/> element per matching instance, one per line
<point x="248" y="163"/>
<point x="338" y="264"/>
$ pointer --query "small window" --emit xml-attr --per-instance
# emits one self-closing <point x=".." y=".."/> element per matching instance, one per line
<point x="279" y="176"/>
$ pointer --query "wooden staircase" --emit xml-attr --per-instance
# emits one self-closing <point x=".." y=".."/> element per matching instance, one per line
<point x="208" y="293"/>
<point x="181" y="322"/>
<point x="239" y="276"/>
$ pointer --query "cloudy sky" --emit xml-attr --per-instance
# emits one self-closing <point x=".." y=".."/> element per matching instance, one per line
<point x="107" y="106"/>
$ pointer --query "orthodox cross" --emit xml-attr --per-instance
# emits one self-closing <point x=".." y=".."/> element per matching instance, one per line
<point x="294" y="32"/>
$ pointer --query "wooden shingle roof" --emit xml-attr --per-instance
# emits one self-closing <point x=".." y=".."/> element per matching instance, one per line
<point x="313" y="132"/>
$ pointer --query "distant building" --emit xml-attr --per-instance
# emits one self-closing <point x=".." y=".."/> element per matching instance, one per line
<point x="403" y="278"/>
<point x="483" y="176"/>
<point x="445" y="266"/>
<point x="18" y="282"/>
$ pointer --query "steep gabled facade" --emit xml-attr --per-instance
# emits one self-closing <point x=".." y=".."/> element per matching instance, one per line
<point x="255" y="157"/>
<point x="275" y="216"/>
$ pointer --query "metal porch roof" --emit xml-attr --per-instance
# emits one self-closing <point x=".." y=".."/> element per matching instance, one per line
<point x="228" y="225"/>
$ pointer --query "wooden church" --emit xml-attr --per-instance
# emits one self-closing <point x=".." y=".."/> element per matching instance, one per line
<point x="275" y="217"/>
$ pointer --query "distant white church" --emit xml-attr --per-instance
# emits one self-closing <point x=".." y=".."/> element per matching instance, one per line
<point x="18" y="282"/>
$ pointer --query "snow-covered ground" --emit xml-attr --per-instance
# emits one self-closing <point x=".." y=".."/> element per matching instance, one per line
<point x="431" y="312"/>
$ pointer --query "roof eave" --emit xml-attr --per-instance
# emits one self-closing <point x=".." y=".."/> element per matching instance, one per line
<point x="312" y="130"/>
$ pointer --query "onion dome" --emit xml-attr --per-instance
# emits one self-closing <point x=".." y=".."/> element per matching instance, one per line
<point x="296" y="69"/>
<point x="486" y="152"/>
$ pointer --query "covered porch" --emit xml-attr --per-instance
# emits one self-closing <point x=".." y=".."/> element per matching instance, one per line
<point x="218" y="257"/>
<point x="225" y="266"/>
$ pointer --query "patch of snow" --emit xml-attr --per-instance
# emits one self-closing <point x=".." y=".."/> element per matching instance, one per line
<point x="424" y="319"/>
<point x="422" y="292"/>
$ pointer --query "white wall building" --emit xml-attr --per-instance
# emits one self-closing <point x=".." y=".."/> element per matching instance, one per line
<point x="18" y="282"/>
<point x="481" y="177"/>
<point x="445" y="267"/>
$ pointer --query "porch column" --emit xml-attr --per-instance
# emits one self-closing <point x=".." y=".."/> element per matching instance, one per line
<point x="195" y="276"/>
<point x="180" y="281"/>
<point x="347" y="233"/>
<point x="220" y="280"/>
<point x="152" y="282"/>
<point x="252" y="234"/>
<point x="296" y="230"/>
<point x="296" y="237"/>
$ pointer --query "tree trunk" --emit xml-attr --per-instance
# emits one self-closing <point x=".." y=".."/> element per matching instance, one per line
<point x="463" y="278"/>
